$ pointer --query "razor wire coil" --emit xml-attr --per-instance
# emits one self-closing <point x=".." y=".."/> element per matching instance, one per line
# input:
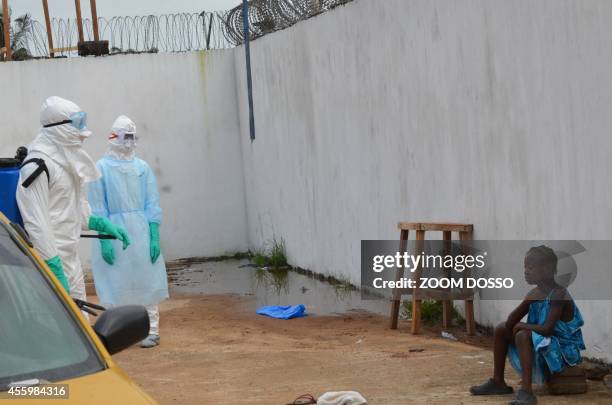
<point x="175" y="32"/>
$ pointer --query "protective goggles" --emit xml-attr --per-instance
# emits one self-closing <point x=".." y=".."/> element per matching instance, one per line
<point x="124" y="136"/>
<point x="77" y="120"/>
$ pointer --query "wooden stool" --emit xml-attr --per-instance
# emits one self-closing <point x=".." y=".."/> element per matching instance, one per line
<point x="572" y="380"/>
<point x="465" y="233"/>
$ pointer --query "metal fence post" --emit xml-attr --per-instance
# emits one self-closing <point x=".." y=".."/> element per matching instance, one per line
<point x="210" y="24"/>
<point x="247" y="51"/>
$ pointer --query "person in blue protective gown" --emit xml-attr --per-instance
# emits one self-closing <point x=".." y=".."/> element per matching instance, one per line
<point x="128" y="194"/>
<point x="549" y="341"/>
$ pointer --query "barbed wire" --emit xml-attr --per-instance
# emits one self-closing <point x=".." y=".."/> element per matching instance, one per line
<point x="163" y="33"/>
<point x="176" y="32"/>
<point x="266" y="16"/>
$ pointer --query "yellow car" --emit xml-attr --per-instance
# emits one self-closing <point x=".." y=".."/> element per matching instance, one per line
<point x="47" y="347"/>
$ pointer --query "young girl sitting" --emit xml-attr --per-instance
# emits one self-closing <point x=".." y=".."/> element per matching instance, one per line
<point x="549" y="341"/>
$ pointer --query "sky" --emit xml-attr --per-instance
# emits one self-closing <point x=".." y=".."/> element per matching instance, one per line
<point x="111" y="8"/>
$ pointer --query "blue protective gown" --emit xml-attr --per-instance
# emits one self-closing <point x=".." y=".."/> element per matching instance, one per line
<point x="551" y="353"/>
<point x="127" y="194"/>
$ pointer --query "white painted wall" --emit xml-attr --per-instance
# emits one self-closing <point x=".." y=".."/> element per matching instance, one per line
<point x="492" y="112"/>
<point x="184" y="107"/>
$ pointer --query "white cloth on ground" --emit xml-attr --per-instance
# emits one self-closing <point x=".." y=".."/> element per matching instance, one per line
<point x="342" y="398"/>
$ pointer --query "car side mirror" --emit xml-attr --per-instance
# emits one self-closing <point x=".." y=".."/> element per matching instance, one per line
<point x="121" y="327"/>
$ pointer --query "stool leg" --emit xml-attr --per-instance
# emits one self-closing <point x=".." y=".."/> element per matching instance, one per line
<point x="395" y="307"/>
<point x="469" y="317"/>
<point x="446" y="304"/>
<point x="446" y="313"/>
<point x="470" y="324"/>
<point x="416" y="316"/>
<point x="396" y="295"/>
<point x="416" y="301"/>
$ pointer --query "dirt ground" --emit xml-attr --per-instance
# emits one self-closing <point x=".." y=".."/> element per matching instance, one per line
<point x="215" y="350"/>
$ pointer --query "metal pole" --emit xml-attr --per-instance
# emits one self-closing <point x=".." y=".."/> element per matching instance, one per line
<point x="247" y="51"/>
<point x="94" y="19"/>
<point x="6" y="22"/>
<point x="203" y="15"/>
<point x="77" y="5"/>
<point x="206" y="31"/>
<point x="48" y="24"/>
<point x="210" y="22"/>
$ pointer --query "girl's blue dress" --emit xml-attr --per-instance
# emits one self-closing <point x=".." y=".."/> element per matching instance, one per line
<point x="551" y="352"/>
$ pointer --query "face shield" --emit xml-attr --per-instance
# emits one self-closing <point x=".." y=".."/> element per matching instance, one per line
<point x="124" y="138"/>
<point x="123" y="144"/>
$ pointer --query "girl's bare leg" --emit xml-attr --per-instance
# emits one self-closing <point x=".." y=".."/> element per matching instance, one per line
<point x="503" y="338"/>
<point x="524" y="346"/>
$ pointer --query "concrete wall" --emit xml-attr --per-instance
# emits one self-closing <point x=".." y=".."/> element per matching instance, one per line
<point x="492" y="112"/>
<point x="184" y="106"/>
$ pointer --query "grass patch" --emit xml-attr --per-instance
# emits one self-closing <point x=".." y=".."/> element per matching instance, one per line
<point x="278" y="258"/>
<point x="274" y="256"/>
<point x="431" y="312"/>
<point x="260" y="259"/>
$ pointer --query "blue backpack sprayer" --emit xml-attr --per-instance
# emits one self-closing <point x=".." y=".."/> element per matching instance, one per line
<point x="9" y="177"/>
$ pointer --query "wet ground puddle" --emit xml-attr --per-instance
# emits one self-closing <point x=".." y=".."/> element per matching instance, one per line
<point x="273" y="287"/>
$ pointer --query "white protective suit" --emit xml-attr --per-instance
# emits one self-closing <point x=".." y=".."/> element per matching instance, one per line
<point x="55" y="209"/>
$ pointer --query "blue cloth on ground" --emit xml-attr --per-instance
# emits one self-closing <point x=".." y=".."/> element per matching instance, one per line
<point x="283" y="312"/>
<point x="554" y="352"/>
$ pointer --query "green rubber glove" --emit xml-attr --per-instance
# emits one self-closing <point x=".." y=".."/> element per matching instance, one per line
<point x="105" y="226"/>
<point x="108" y="251"/>
<point x="55" y="264"/>
<point x="154" y="242"/>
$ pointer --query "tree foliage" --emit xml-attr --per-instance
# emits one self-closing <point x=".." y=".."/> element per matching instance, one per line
<point x="20" y="28"/>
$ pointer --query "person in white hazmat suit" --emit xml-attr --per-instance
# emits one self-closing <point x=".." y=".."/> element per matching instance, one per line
<point x="51" y="194"/>
<point x="128" y="194"/>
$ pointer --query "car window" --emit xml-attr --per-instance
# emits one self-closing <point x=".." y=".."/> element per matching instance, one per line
<point x="39" y="338"/>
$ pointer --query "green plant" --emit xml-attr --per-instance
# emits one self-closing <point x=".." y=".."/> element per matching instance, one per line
<point x="274" y="257"/>
<point x="431" y="312"/>
<point x="260" y="259"/>
<point x="19" y="32"/>
<point x="278" y="258"/>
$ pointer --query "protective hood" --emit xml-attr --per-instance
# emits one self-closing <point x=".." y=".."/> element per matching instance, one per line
<point x="62" y="141"/>
<point x="122" y="147"/>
